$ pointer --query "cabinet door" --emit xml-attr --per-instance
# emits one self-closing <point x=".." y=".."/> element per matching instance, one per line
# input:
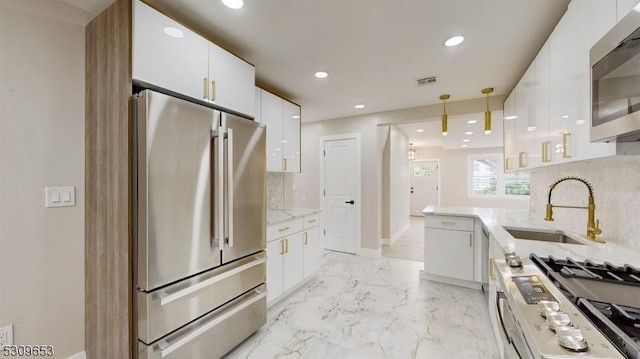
<point x="559" y="67"/>
<point x="293" y="261"/>
<point x="508" y="132"/>
<point x="231" y="81"/>
<point x="542" y="144"/>
<point x="272" y="118"/>
<point x="522" y="127"/>
<point x="258" y="104"/>
<point x="312" y="253"/>
<point x="275" y="262"/>
<point x="449" y="253"/>
<point x="291" y="137"/>
<point x="495" y="252"/>
<point x="167" y="54"/>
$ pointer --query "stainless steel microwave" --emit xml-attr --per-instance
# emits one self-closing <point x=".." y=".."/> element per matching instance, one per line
<point x="615" y="82"/>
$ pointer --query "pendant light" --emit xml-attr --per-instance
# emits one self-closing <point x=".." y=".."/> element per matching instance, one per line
<point x="444" y="99"/>
<point x="412" y="152"/>
<point x="487" y="113"/>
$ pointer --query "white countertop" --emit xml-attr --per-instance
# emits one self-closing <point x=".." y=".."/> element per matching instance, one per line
<point x="494" y="219"/>
<point x="281" y="215"/>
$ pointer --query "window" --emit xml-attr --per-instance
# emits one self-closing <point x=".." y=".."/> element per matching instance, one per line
<point x="487" y="178"/>
<point x="423" y="171"/>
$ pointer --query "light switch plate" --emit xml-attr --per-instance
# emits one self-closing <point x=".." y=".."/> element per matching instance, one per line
<point x="60" y="197"/>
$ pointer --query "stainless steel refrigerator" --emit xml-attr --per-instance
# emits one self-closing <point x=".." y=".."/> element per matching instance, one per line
<point x="199" y="227"/>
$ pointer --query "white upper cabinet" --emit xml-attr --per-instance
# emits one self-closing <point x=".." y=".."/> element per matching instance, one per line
<point x="509" y="132"/>
<point x="160" y="48"/>
<point x="282" y="119"/>
<point x="552" y="99"/>
<point x="169" y="55"/>
<point x="231" y="81"/>
<point x="291" y="137"/>
<point x="272" y="118"/>
<point x="258" y="104"/>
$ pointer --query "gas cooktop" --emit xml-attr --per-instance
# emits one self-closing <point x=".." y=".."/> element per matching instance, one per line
<point x="608" y="295"/>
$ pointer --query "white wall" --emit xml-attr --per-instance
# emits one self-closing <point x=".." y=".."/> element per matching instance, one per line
<point x="616" y="185"/>
<point x="307" y="183"/>
<point x="454" y="173"/>
<point x="399" y="183"/>
<point x="41" y="144"/>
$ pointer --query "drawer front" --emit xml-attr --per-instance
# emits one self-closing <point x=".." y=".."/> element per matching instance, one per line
<point x="312" y="220"/>
<point x="169" y="308"/>
<point x="449" y="222"/>
<point x="280" y="230"/>
<point x="215" y="334"/>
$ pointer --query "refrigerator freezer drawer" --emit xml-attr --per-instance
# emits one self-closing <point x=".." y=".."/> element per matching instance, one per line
<point x="167" y="309"/>
<point x="214" y="334"/>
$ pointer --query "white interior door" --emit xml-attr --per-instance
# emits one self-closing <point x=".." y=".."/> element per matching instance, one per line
<point x="340" y="195"/>
<point x="424" y="185"/>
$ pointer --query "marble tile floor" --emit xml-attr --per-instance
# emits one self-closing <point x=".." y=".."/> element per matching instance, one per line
<point x="410" y="245"/>
<point x="362" y="307"/>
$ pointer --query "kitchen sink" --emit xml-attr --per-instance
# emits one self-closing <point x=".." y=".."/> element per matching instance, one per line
<point x="541" y="235"/>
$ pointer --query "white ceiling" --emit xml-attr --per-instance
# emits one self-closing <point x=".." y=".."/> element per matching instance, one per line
<point x="374" y="50"/>
<point x="457" y="128"/>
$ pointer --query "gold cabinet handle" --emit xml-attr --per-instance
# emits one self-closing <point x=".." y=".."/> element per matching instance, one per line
<point x="305" y="238"/>
<point x="470" y="239"/>
<point x="313" y="220"/>
<point x="448" y="223"/>
<point x="284" y="164"/>
<point x="492" y="273"/>
<point x="521" y="161"/>
<point x="281" y="246"/>
<point x="565" y="140"/>
<point x="507" y="163"/>
<point x="213" y="90"/>
<point x="286" y="245"/>
<point x="205" y="89"/>
<point x="545" y="152"/>
<point x="284" y="229"/>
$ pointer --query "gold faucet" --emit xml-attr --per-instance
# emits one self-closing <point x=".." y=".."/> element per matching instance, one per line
<point x="593" y="229"/>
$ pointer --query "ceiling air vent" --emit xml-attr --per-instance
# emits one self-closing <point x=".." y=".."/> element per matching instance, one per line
<point x="427" y="81"/>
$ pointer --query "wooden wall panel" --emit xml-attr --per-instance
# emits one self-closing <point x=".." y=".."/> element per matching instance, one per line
<point x="109" y="331"/>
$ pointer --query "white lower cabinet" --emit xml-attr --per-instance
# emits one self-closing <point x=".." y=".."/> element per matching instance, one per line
<point x="293" y="255"/>
<point x="495" y="252"/>
<point x="450" y="250"/>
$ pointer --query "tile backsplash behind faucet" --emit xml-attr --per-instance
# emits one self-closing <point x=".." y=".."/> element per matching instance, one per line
<point x="275" y="190"/>
<point x="616" y="185"/>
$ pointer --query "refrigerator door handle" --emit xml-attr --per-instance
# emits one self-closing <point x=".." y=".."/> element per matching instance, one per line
<point x="230" y="186"/>
<point x="220" y="190"/>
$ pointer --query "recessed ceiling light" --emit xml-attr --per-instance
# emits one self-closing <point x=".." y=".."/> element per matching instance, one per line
<point x="531" y="128"/>
<point x="359" y="105"/>
<point x="295" y="116"/>
<point x="233" y="4"/>
<point x="511" y="117"/>
<point x="466" y="140"/>
<point x="472" y="121"/>
<point x="565" y="116"/>
<point x="579" y="122"/>
<point x="420" y="130"/>
<point x="468" y="133"/>
<point x="284" y="141"/>
<point x="454" y="41"/>
<point x="321" y="74"/>
<point x="174" y="32"/>
<point x="465" y="145"/>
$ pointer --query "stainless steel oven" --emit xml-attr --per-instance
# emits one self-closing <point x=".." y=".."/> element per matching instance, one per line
<point x="615" y="82"/>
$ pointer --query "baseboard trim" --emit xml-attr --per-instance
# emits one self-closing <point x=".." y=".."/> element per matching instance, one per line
<point x="370" y="252"/>
<point x="452" y="281"/>
<point x="81" y="355"/>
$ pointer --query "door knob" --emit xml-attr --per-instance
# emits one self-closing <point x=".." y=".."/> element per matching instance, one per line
<point x="351" y="202"/>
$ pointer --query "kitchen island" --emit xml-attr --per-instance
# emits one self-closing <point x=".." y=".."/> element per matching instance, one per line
<point x="489" y="232"/>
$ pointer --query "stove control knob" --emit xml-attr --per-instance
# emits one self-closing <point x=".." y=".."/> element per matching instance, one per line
<point x="558" y="320"/>
<point x="571" y="338"/>
<point x="548" y="306"/>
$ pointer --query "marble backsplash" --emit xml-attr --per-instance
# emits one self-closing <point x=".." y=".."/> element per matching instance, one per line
<point x="616" y="184"/>
<point x="275" y="190"/>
